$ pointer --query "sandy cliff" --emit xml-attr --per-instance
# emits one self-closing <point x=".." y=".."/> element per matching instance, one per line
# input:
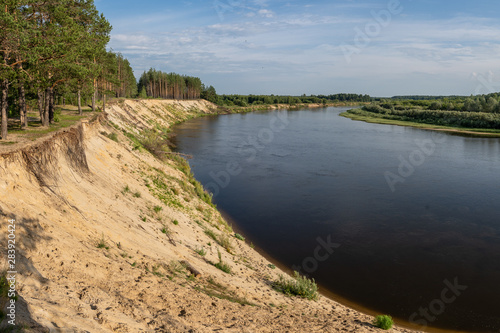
<point x="103" y="227"/>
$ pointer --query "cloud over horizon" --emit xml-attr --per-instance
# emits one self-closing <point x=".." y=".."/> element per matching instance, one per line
<point x="287" y="47"/>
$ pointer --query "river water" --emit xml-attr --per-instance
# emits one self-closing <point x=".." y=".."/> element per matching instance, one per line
<point x="398" y="220"/>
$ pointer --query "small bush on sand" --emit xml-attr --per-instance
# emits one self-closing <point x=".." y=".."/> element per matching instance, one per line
<point x="298" y="286"/>
<point x="383" y="321"/>
<point x="101" y="243"/>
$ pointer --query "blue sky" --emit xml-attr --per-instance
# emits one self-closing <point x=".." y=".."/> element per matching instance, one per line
<point x="381" y="47"/>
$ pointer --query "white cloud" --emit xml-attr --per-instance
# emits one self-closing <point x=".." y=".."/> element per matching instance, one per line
<point x="299" y="53"/>
<point x="266" y="13"/>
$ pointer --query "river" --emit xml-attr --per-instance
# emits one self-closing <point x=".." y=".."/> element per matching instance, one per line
<point x="398" y="220"/>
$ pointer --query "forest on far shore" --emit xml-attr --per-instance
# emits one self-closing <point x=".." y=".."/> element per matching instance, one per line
<point x="482" y="111"/>
<point x="55" y="53"/>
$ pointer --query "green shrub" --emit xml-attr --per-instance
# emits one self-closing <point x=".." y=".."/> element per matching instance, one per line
<point x="298" y="286"/>
<point x="156" y="143"/>
<point x="383" y="321"/>
<point x="165" y="230"/>
<point x="240" y="237"/>
<point x="4" y="286"/>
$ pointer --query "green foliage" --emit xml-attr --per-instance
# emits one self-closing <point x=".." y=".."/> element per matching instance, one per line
<point x="221" y="239"/>
<point x="240" y="237"/>
<point x="222" y="265"/>
<point x="156" y="84"/>
<point x="126" y="189"/>
<point x="57" y="115"/>
<point x="473" y="112"/>
<point x="165" y="230"/>
<point x="157" y="209"/>
<point x="383" y="321"/>
<point x="298" y="286"/>
<point x="4" y="285"/>
<point x="101" y="243"/>
<point x="143" y="93"/>
<point x="162" y="190"/>
<point x="175" y="222"/>
<point x="113" y="136"/>
<point x="243" y="100"/>
<point x="211" y="234"/>
<point x="156" y="143"/>
<point x="210" y="95"/>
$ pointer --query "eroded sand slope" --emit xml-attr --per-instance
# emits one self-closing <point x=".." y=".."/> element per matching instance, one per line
<point x="103" y="226"/>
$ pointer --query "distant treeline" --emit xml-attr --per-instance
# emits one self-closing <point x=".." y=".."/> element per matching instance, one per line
<point x="424" y="97"/>
<point x="481" y="111"/>
<point x="156" y="84"/>
<point x="246" y="100"/>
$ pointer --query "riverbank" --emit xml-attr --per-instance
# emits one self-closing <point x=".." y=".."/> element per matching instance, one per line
<point x="267" y="107"/>
<point x="370" y="117"/>
<point x="110" y="228"/>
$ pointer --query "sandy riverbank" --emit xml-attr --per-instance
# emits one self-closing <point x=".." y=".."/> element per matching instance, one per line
<point x="102" y="227"/>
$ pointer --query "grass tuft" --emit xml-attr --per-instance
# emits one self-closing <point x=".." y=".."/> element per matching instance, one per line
<point x="222" y="265"/>
<point x="101" y="243"/>
<point x="201" y="251"/>
<point x="221" y="239"/>
<point x="298" y="286"/>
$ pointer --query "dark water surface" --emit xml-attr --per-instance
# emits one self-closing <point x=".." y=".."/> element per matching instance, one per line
<point x="398" y="220"/>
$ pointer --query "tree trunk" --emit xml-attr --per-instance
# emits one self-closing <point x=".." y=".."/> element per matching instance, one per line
<point x="103" y="102"/>
<point x="46" y="118"/>
<point x="40" y="104"/>
<point x="23" y="112"/>
<point x="51" y="105"/>
<point x="79" y="102"/>
<point x="93" y="100"/>
<point x="3" y="106"/>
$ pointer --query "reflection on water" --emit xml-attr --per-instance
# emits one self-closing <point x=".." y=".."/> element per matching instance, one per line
<point x="291" y="177"/>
